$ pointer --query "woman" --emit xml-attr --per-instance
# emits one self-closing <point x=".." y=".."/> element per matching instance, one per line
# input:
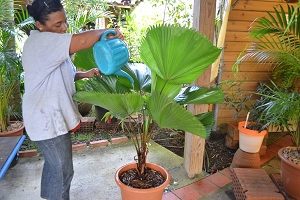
<point x="49" y="113"/>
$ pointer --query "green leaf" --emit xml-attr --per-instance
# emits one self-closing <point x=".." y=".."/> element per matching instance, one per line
<point x="84" y="59"/>
<point x="121" y="105"/>
<point x="276" y="43"/>
<point x="141" y="75"/>
<point x="208" y="120"/>
<point x="177" y="54"/>
<point x="169" y="114"/>
<point x="197" y="95"/>
<point x="107" y="84"/>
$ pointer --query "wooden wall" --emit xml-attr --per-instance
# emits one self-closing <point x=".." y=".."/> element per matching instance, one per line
<point x="240" y="19"/>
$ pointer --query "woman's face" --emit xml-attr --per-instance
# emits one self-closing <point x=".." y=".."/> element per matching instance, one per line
<point x="56" y="23"/>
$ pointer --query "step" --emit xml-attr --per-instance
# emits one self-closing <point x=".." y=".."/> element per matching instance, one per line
<point x="250" y="184"/>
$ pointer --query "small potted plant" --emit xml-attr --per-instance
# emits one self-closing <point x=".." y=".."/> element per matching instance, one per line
<point x="251" y="131"/>
<point x="10" y="69"/>
<point x="173" y="56"/>
<point x="10" y="66"/>
<point x="283" y="112"/>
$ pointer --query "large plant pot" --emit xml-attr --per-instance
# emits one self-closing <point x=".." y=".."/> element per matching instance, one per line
<point x="290" y="176"/>
<point x="15" y="132"/>
<point x="129" y="193"/>
<point x="250" y="140"/>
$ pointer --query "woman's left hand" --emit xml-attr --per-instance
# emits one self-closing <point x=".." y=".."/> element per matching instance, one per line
<point x="93" y="72"/>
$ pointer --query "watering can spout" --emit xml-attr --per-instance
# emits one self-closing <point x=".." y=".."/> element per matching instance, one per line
<point x="124" y="74"/>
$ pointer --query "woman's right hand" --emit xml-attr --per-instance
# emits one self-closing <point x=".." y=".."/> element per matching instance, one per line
<point x="118" y="35"/>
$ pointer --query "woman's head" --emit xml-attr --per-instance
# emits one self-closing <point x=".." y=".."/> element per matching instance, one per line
<point x="49" y="15"/>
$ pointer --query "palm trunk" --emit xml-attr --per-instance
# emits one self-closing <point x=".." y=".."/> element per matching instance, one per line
<point x="142" y="157"/>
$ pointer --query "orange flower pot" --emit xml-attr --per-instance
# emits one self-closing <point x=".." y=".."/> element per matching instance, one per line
<point x="129" y="193"/>
<point x="290" y="176"/>
<point x="16" y="132"/>
<point x="250" y="140"/>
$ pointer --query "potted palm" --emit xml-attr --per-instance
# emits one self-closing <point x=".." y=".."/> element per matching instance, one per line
<point x="8" y="83"/>
<point x="173" y="57"/>
<point x="277" y="44"/>
<point x="251" y="133"/>
<point x="10" y="69"/>
<point x="10" y="65"/>
<point x="283" y="111"/>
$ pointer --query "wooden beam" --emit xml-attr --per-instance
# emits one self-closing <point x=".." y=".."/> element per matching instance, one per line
<point x="204" y="16"/>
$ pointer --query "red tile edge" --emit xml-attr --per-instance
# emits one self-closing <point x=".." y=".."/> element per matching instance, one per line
<point x="78" y="147"/>
<point x="28" y="153"/>
<point x="119" y="140"/>
<point x="100" y="143"/>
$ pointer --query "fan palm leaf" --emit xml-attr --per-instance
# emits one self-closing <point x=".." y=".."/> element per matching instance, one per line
<point x="172" y="115"/>
<point x="177" y="54"/>
<point x="122" y="105"/>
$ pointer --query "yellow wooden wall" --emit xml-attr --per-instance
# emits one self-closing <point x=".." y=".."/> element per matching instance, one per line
<point x="240" y="19"/>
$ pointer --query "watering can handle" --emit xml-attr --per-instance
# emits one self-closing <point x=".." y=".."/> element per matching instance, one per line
<point x="103" y="37"/>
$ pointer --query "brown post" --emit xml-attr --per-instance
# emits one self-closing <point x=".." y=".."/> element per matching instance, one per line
<point x="204" y="16"/>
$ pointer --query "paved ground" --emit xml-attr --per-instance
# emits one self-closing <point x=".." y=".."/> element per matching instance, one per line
<point x="95" y="168"/>
<point x="94" y="173"/>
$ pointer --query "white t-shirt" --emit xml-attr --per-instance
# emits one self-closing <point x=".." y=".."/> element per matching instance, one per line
<point x="48" y="108"/>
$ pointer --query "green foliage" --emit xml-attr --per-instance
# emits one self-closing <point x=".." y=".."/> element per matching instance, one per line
<point x="133" y="34"/>
<point x="174" y="56"/>
<point x="82" y="15"/>
<point x="82" y="136"/>
<point x="10" y="62"/>
<point x="10" y="67"/>
<point x="281" y="109"/>
<point x="25" y="23"/>
<point x="235" y="98"/>
<point x="28" y="144"/>
<point x="176" y="12"/>
<point x="134" y="22"/>
<point x="276" y="42"/>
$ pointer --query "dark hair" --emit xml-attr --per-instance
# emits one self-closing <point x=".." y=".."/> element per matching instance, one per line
<point x="40" y="9"/>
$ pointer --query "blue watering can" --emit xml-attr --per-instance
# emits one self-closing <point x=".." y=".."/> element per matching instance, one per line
<point x="111" y="55"/>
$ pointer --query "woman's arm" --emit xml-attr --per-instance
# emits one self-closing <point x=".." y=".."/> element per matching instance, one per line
<point x="88" y="74"/>
<point x="87" y="39"/>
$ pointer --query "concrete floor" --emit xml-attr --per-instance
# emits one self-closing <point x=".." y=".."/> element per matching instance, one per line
<point x="94" y="173"/>
<point x="95" y="169"/>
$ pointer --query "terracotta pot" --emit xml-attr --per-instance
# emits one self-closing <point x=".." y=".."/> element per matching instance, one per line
<point x="15" y="132"/>
<point x="250" y="140"/>
<point x="243" y="159"/>
<point x="290" y="176"/>
<point x="129" y="193"/>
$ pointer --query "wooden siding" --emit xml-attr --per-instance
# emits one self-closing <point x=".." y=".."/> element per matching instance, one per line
<point x="236" y="40"/>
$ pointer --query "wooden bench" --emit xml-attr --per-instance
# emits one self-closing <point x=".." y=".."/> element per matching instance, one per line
<point x="9" y="147"/>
